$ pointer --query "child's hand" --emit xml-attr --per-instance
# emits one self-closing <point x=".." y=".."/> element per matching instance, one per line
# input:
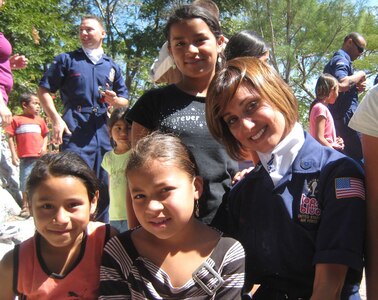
<point x="15" y="161"/>
<point x="339" y="144"/>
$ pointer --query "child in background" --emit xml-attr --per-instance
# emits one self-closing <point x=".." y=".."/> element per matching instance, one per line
<point x="322" y="127"/>
<point x="114" y="163"/>
<point x="27" y="141"/>
<point x="62" y="260"/>
<point x="172" y="255"/>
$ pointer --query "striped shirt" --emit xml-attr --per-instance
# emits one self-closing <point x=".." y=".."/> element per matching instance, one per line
<point x="124" y="274"/>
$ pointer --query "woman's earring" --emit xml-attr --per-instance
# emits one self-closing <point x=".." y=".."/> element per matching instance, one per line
<point x="219" y="59"/>
<point x="196" y="209"/>
<point x="174" y="66"/>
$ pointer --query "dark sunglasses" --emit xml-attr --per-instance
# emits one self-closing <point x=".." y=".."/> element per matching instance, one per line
<point x="359" y="48"/>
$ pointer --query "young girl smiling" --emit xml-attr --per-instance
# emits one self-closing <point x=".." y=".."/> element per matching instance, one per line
<point x="195" y="42"/>
<point x="172" y="255"/>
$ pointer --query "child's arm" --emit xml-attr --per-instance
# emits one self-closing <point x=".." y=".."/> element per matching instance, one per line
<point x="320" y="123"/>
<point x="12" y="148"/>
<point x="114" y="271"/>
<point x="233" y="273"/>
<point x="6" y="277"/>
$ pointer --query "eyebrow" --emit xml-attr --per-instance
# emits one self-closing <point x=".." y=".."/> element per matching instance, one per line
<point x="184" y="37"/>
<point x="250" y="97"/>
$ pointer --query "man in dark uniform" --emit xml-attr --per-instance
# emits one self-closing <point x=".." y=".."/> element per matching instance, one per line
<point x="89" y="82"/>
<point x="350" y="84"/>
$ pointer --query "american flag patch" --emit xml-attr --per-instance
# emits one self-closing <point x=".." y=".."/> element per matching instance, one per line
<point x="348" y="187"/>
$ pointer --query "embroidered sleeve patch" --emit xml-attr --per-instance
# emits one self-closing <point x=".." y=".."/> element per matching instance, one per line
<point x="348" y="187"/>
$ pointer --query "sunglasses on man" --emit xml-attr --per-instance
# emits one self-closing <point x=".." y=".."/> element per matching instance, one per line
<point x="359" y="48"/>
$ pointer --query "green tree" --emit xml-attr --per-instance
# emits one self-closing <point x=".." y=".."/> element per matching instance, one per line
<point x="39" y="30"/>
<point x="304" y="34"/>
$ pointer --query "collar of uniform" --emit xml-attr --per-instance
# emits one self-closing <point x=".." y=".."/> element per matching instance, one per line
<point x="279" y="161"/>
<point x="94" y="54"/>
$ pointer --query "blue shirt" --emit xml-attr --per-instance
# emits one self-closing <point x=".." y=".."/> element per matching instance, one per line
<point x="346" y="103"/>
<point x="78" y="79"/>
<point x="312" y="216"/>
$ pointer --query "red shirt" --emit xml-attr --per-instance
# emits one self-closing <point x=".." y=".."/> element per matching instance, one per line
<point x="30" y="132"/>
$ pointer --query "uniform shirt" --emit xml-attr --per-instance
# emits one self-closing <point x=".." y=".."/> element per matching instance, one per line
<point x="346" y="103"/>
<point x="169" y="109"/>
<point x="35" y="281"/>
<point x="78" y="79"/>
<point x="316" y="214"/>
<point x="365" y="119"/>
<point x="30" y="132"/>
<point x="6" y="79"/>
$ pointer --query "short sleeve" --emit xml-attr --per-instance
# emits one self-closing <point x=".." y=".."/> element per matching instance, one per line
<point x="340" y="237"/>
<point x="105" y="164"/>
<point x="365" y="119"/>
<point x="341" y="67"/>
<point x="54" y="76"/>
<point x="145" y="109"/>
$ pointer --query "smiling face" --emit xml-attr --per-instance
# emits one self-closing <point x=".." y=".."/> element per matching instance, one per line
<point x="194" y="47"/>
<point x="61" y="214"/>
<point x="91" y="33"/>
<point x="163" y="197"/>
<point x="256" y="124"/>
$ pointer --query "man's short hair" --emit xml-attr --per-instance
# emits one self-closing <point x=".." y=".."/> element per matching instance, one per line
<point x="93" y="17"/>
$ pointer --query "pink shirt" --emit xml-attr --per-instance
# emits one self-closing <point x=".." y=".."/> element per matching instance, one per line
<point x="6" y="79"/>
<point x="319" y="109"/>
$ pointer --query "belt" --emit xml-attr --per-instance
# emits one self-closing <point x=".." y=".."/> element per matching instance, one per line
<point x="90" y="109"/>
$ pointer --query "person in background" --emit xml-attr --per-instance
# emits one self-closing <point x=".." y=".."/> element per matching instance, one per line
<point x="195" y="42"/>
<point x="322" y="127"/>
<point x="62" y="260"/>
<point x="89" y="81"/>
<point x="164" y="70"/>
<point x="247" y="43"/>
<point x="27" y="138"/>
<point x="8" y="62"/>
<point x="172" y="255"/>
<point x="365" y="121"/>
<point x="350" y="84"/>
<point x="114" y="163"/>
<point x="300" y="213"/>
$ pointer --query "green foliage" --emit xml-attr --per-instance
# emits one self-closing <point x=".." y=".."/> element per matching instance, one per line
<point x="303" y="34"/>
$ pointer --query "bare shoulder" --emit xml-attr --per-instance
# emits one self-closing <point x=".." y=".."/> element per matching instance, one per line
<point x="6" y="276"/>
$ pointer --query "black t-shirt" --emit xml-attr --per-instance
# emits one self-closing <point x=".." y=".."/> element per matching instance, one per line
<point x="169" y="109"/>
